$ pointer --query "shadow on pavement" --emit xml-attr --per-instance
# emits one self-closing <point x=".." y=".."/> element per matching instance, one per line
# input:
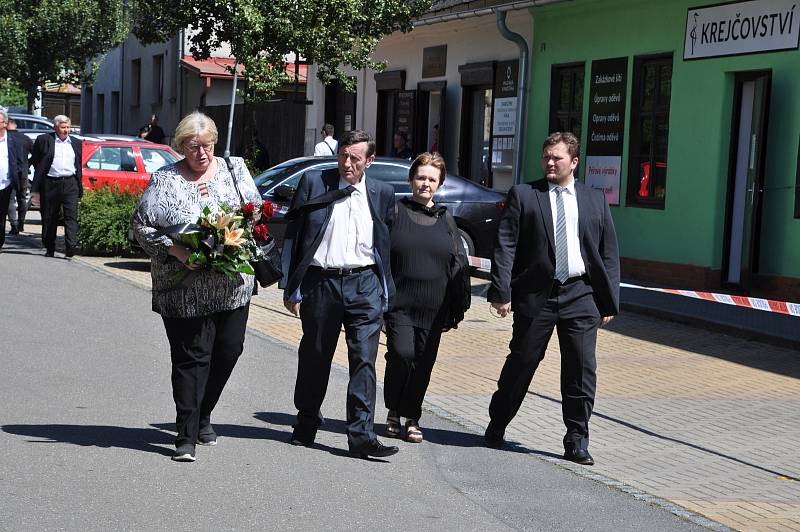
<point x="137" y="439"/>
<point x="133" y="265"/>
<point x="709" y="342"/>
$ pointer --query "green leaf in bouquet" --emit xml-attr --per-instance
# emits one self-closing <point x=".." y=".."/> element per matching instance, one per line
<point x="246" y="268"/>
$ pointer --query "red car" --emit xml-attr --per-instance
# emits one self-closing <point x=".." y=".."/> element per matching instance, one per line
<point x="123" y="163"/>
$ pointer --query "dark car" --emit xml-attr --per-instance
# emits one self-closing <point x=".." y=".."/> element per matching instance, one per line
<point x="475" y="208"/>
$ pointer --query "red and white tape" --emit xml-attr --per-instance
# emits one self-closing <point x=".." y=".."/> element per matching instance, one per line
<point x="767" y="305"/>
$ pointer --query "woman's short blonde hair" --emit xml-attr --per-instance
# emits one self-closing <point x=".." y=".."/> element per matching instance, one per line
<point x="194" y="125"/>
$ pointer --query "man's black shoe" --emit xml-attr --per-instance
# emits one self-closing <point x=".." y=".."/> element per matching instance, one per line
<point x="579" y="456"/>
<point x="184" y="453"/>
<point x="374" y="448"/>
<point x="207" y="436"/>
<point x="14" y="230"/>
<point x="50" y="254"/>
<point x="493" y="437"/>
<point x="70" y="252"/>
<point x="302" y="438"/>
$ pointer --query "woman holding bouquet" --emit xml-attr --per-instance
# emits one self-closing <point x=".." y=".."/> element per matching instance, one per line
<point x="204" y="311"/>
<point x="431" y="276"/>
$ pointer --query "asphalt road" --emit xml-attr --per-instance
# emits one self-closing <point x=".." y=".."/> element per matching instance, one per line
<point x="87" y="416"/>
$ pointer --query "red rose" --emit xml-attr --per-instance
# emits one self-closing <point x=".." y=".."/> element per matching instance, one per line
<point x="248" y="209"/>
<point x="267" y="210"/>
<point x="261" y="231"/>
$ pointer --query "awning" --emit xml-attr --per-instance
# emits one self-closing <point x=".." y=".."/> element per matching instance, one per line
<point x="220" y="68"/>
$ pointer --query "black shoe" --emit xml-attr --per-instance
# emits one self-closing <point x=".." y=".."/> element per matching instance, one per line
<point x="493" y="437"/>
<point x="50" y="254"/>
<point x="374" y="448"/>
<point x="303" y="437"/>
<point x="14" y="230"/>
<point x="207" y="436"/>
<point x="184" y="453"/>
<point x="579" y="456"/>
<point x="70" y="252"/>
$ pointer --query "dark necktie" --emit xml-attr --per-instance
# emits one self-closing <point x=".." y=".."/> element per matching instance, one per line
<point x="562" y="253"/>
<point x="323" y="200"/>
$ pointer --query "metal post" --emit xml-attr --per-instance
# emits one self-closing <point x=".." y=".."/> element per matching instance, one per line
<point x="233" y="106"/>
<point x="522" y="98"/>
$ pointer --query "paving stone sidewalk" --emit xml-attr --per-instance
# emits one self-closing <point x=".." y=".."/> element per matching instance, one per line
<point x="703" y="420"/>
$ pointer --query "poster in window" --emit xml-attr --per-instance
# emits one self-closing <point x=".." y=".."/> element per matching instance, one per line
<point x="605" y="135"/>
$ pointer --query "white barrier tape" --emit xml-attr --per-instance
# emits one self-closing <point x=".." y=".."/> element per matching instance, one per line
<point x="767" y="305"/>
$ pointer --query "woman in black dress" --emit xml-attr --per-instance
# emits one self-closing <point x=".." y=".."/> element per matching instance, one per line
<point x="429" y="267"/>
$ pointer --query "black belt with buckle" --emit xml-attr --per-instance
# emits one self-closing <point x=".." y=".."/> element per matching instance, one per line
<point x="340" y="272"/>
<point x="60" y="177"/>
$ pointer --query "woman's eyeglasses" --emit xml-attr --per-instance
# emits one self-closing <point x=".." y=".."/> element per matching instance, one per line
<point x="195" y="148"/>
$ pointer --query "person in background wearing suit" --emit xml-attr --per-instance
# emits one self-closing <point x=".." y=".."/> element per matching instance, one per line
<point x="556" y="264"/>
<point x="12" y="175"/>
<point x="18" y="206"/>
<point x="337" y="273"/>
<point x="57" y="180"/>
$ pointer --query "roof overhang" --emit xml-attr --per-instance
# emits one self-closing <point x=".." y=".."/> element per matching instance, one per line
<point x="448" y="10"/>
<point x="222" y="68"/>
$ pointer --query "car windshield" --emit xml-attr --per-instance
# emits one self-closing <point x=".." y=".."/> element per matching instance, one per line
<point x="277" y="173"/>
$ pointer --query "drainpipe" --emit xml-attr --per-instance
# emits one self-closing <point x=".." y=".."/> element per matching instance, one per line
<point x="179" y="89"/>
<point x="522" y="91"/>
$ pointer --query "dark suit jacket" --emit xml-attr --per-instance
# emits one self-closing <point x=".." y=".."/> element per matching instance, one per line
<point x="17" y="169"/>
<point x="304" y="234"/>
<point x="524" y="262"/>
<point x="44" y="149"/>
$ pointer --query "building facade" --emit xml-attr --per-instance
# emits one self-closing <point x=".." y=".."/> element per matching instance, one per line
<point x="688" y="118"/>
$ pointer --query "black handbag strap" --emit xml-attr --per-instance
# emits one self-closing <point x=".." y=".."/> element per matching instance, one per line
<point x="229" y="164"/>
<point x="323" y="199"/>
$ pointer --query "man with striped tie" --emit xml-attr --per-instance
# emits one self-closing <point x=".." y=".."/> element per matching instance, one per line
<point x="556" y="265"/>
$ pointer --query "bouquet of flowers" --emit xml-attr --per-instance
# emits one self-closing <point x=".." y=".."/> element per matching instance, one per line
<point x="219" y="241"/>
<point x="266" y="259"/>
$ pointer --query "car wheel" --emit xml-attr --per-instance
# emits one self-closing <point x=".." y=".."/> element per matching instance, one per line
<point x="466" y="241"/>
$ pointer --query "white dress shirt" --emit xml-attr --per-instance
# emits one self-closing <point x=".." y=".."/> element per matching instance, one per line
<point x="576" y="265"/>
<point x="328" y="146"/>
<point x="347" y="242"/>
<point x="63" y="159"/>
<point x="5" y="178"/>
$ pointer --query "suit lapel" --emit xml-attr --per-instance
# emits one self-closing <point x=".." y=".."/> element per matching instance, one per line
<point x="580" y="197"/>
<point x="372" y="197"/>
<point x="547" y="213"/>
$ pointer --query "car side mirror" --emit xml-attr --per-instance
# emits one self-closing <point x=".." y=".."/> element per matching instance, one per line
<point x="285" y="192"/>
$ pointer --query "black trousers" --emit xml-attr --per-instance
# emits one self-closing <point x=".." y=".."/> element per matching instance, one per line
<point x="204" y="351"/>
<point x="330" y="302"/>
<point x="57" y="195"/>
<point x="572" y="311"/>
<point x="409" y="362"/>
<point x="5" y="197"/>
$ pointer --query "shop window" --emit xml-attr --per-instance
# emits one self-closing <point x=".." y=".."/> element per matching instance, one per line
<point x="647" y="156"/>
<point x="566" y="98"/>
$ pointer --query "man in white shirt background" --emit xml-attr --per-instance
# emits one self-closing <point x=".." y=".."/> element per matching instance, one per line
<point x="57" y="180"/>
<point x="328" y="145"/>
<point x="11" y="171"/>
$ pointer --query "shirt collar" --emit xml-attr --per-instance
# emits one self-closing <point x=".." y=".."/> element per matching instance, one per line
<point x="569" y="188"/>
<point x="361" y="187"/>
<point x="68" y="140"/>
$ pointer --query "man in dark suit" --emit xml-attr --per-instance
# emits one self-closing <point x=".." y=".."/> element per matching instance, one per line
<point x="20" y="200"/>
<point x="57" y="180"/>
<point x="556" y="264"/>
<point x="12" y="175"/>
<point x="337" y="273"/>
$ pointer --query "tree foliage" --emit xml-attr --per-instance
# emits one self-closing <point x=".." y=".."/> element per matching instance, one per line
<point x="11" y="94"/>
<point x="330" y="33"/>
<point x="54" y="40"/>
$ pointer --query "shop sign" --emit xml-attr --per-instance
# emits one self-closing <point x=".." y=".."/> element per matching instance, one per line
<point x="741" y="28"/>
<point x="434" y="61"/>
<point x="405" y="112"/>
<point x="504" y="114"/>
<point x="607" y="93"/>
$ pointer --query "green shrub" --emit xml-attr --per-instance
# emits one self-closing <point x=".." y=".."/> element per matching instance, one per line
<point x="104" y="217"/>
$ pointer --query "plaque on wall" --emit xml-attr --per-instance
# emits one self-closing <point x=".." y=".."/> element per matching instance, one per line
<point x="434" y="61"/>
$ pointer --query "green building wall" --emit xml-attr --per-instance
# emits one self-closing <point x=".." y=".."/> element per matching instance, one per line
<point x="690" y="229"/>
